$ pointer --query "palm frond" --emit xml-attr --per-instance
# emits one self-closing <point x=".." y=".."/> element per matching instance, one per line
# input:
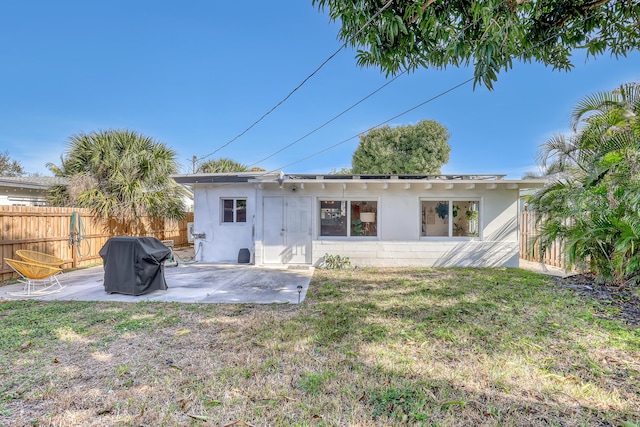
<point x="113" y="172"/>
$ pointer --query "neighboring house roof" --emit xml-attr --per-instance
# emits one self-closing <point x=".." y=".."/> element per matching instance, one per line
<point x="188" y="191"/>
<point x="281" y="178"/>
<point x="29" y="191"/>
<point x="31" y="182"/>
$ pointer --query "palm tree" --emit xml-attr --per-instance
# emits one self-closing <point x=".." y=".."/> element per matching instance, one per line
<point x="119" y="174"/>
<point x="592" y="204"/>
<point x="222" y="165"/>
<point x="546" y="171"/>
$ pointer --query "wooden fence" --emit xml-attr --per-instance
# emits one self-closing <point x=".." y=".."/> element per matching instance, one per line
<point x="48" y="229"/>
<point x="528" y="248"/>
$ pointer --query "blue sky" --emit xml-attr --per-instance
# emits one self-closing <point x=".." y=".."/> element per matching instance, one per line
<point x="196" y="74"/>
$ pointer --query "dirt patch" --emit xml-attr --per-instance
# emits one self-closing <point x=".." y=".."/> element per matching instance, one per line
<point x="616" y="303"/>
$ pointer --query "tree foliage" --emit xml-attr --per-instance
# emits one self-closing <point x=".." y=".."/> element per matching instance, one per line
<point x="341" y="171"/>
<point x="10" y="167"/>
<point x="489" y="34"/>
<point x="222" y="165"/>
<point x="419" y="149"/>
<point x="593" y="202"/>
<point x="543" y="171"/>
<point x="119" y="174"/>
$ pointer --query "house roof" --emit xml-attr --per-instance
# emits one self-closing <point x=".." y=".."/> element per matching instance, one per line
<point x="378" y="177"/>
<point x="204" y="178"/>
<point x="281" y="178"/>
<point x="31" y="182"/>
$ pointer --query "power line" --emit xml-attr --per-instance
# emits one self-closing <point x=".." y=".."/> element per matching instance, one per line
<point x="330" y="120"/>
<point x="354" y="105"/>
<point x="379" y="124"/>
<point x="416" y="106"/>
<point x="302" y="83"/>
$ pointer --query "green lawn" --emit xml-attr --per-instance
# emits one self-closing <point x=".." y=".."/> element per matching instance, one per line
<point x="433" y="347"/>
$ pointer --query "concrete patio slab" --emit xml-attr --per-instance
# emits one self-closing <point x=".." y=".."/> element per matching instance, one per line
<point x="190" y="283"/>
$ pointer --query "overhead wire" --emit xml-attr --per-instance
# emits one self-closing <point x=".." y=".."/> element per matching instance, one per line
<point x="351" y="107"/>
<point x="283" y="100"/>
<point x="378" y="125"/>
<point x="330" y="120"/>
<point x="416" y="106"/>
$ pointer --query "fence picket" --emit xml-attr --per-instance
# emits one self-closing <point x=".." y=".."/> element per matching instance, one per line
<point x="47" y="229"/>
<point x="529" y="251"/>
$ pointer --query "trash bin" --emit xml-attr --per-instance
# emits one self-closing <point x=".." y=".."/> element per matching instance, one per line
<point x="134" y="265"/>
<point x="244" y="256"/>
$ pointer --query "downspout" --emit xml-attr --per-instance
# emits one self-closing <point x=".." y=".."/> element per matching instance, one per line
<point x="253" y="223"/>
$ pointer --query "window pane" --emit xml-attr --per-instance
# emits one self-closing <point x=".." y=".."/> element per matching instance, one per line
<point x="464" y="217"/>
<point x="333" y="218"/>
<point x="435" y="218"/>
<point x="227" y="210"/>
<point x="241" y="211"/>
<point x="364" y="218"/>
<point x="466" y="222"/>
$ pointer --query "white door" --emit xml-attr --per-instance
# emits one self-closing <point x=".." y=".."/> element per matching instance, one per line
<point x="273" y="226"/>
<point x="287" y="230"/>
<point x="298" y="229"/>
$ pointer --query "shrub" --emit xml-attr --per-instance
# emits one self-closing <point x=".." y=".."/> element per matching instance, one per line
<point x="336" y="262"/>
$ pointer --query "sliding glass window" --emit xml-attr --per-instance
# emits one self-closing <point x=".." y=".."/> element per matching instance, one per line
<point x="350" y="218"/>
<point x="450" y="218"/>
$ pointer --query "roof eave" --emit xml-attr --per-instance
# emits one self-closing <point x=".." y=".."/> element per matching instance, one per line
<point x="280" y="178"/>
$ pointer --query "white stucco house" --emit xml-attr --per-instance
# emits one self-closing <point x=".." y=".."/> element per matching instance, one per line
<point x="375" y="220"/>
<point x="26" y="191"/>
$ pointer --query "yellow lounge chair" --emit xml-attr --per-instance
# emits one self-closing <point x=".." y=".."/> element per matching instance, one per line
<point x="34" y="274"/>
<point x="40" y="258"/>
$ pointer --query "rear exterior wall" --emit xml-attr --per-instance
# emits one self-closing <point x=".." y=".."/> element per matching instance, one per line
<point x="398" y="241"/>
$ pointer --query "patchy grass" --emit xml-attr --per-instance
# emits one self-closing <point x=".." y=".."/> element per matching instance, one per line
<point x="431" y="347"/>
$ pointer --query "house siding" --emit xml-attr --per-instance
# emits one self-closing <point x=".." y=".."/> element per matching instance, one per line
<point x="222" y="241"/>
<point x="421" y="254"/>
<point x="22" y="197"/>
<point x="398" y="242"/>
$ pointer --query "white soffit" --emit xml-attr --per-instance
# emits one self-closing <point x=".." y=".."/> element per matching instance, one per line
<point x="404" y="185"/>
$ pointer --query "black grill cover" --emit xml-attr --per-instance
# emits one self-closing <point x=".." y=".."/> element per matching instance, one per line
<point x="133" y="265"/>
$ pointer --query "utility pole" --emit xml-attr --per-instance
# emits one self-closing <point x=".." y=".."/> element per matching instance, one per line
<point x="194" y="160"/>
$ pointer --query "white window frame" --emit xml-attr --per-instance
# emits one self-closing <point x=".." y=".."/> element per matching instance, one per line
<point x="451" y="201"/>
<point x="348" y="201"/>
<point x="235" y="210"/>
